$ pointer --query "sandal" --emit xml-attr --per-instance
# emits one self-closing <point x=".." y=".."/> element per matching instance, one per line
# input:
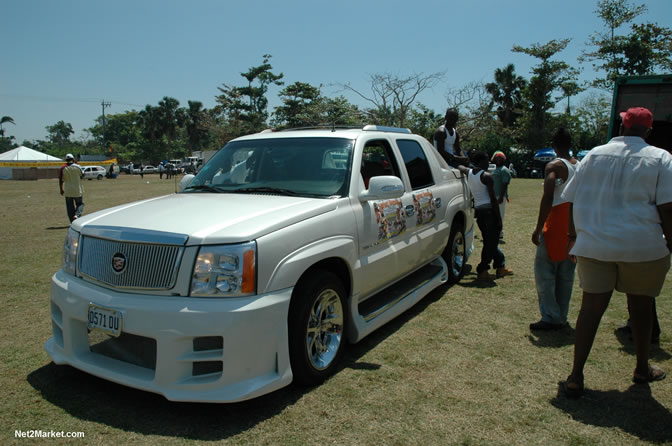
<point x="573" y="387"/>
<point x="655" y="373"/>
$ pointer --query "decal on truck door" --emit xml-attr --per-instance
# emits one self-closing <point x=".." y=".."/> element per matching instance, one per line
<point x="389" y="218"/>
<point x="425" y="209"/>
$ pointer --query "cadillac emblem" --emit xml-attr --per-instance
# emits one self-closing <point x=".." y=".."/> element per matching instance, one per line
<point x="119" y="263"/>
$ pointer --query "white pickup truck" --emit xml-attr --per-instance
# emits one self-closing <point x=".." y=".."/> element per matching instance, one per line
<point x="283" y="247"/>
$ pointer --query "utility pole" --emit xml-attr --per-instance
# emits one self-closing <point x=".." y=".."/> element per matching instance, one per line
<point x="104" y="104"/>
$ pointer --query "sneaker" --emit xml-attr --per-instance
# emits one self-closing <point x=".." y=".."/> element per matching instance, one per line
<point x="503" y="271"/>
<point x="543" y="325"/>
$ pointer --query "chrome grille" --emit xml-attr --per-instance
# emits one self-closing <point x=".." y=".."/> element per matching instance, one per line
<point x="148" y="266"/>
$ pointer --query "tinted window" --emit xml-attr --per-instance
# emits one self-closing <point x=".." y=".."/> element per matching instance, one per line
<point x="377" y="160"/>
<point x="416" y="163"/>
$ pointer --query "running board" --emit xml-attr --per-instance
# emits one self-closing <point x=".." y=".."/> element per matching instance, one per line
<point x="397" y="298"/>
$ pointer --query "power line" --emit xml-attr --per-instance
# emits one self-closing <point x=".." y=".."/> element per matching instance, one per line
<point x="64" y="99"/>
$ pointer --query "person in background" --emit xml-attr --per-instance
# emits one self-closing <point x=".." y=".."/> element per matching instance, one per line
<point x="553" y="269"/>
<point x="655" y="326"/>
<point x="621" y="217"/>
<point x="162" y="168"/>
<point x="487" y="216"/>
<point x="502" y="179"/>
<point x="70" y="185"/>
<point x="447" y="140"/>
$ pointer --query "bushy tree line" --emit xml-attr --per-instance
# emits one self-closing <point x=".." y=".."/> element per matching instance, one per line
<point x="511" y="111"/>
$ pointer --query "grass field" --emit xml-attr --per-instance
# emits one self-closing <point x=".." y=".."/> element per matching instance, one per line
<point x="459" y="368"/>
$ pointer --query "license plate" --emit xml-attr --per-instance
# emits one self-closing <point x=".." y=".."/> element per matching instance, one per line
<point x="104" y="319"/>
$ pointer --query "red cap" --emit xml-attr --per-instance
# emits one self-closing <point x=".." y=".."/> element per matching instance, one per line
<point x="498" y="154"/>
<point x="638" y="116"/>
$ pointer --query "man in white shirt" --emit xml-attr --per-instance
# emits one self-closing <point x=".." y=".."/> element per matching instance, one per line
<point x="621" y="197"/>
<point x="70" y="185"/>
<point x="488" y="219"/>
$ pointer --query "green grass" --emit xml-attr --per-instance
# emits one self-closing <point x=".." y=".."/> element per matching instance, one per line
<point x="459" y="368"/>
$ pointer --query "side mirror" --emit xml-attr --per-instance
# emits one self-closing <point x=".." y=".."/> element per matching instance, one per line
<point x="184" y="182"/>
<point x="385" y="187"/>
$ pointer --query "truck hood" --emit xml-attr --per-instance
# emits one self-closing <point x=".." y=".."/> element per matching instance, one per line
<point x="203" y="218"/>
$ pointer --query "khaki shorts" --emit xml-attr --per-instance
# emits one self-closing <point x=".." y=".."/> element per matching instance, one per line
<point x="639" y="278"/>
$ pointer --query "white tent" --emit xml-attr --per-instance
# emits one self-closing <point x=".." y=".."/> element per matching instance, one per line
<point x="23" y="153"/>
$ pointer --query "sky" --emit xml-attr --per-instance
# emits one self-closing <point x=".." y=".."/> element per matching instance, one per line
<point x="61" y="59"/>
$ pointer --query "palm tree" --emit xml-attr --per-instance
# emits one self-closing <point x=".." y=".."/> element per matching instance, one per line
<point x="570" y="89"/>
<point x="506" y="91"/>
<point x="195" y="125"/>
<point x="4" y="120"/>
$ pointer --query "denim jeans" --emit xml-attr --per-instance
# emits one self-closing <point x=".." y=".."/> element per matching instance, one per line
<point x="74" y="206"/>
<point x="555" y="281"/>
<point x="485" y="218"/>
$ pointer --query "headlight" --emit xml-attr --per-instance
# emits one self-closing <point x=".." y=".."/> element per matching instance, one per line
<point x="70" y="251"/>
<point x="225" y="271"/>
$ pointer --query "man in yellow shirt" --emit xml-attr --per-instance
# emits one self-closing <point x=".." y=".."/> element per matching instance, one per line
<point x="70" y="184"/>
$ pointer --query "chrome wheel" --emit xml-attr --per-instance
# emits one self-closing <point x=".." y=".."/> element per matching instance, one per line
<point x="455" y="253"/>
<point x="325" y="329"/>
<point x="458" y="249"/>
<point x="317" y="324"/>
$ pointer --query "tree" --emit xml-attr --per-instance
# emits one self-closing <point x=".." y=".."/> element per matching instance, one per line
<point x="170" y="117"/>
<point x="196" y="125"/>
<point x="339" y="111"/>
<point x="301" y="106"/>
<point x="548" y="76"/>
<point x="593" y="114"/>
<point x="246" y="108"/>
<point x="569" y="89"/>
<point x="5" y="120"/>
<point x="646" y="49"/>
<point x="120" y="129"/>
<point x="473" y="104"/>
<point x="393" y="96"/>
<point x="506" y="92"/>
<point x="424" y="121"/>
<point x="60" y="132"/>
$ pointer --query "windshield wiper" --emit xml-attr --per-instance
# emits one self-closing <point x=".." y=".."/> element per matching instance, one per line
<point x="204" y="187"/>
<point x="270" y="190"/>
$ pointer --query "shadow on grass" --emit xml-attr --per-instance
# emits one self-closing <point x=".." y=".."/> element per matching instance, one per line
<point x="93" y="399"/>
<point x="470" y="280"/>
<point x="552" y="338"/>
<point x="634" y="411"/>
<point x="51" y="228"/>
<point x="628" y="346"/>
<point x="89" y="398"/>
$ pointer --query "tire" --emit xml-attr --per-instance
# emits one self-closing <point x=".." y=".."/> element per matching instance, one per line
<point x="316" y="327"/>
<point x="455" y="253"/>
<point x="100" y="177"/>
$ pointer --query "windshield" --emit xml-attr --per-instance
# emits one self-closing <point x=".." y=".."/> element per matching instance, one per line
<point x="306" y="167"/>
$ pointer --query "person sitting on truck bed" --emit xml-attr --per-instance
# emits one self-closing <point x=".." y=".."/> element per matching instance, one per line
<point x="447" y="141"/>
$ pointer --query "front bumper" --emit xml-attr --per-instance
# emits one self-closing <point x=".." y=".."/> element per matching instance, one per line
<point x="194" y="349"/>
